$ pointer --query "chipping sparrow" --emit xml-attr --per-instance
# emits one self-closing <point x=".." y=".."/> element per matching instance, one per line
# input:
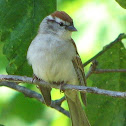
<point x="54" y="58"/>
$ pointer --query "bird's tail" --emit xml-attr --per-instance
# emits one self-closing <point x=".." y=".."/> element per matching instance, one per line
<point x="78" y="116"/>
<point x="45" y="91"/>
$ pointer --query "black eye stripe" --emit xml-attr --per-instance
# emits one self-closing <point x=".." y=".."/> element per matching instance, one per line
<point x="61" y="24"/>
<point x="50" y="20"/>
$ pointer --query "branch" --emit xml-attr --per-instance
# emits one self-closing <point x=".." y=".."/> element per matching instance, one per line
<point x="92" y="68"/>
<point x="95" y="90"/>
<point x="32" y="94"/>
<point x="98" y="71"/>
<point x="118" y="39"/>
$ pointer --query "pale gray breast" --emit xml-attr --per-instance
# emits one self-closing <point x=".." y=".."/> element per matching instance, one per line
<point x="51" y="59"/>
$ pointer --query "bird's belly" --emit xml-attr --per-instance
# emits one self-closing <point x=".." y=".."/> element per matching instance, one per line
<point x="52" y="70"/>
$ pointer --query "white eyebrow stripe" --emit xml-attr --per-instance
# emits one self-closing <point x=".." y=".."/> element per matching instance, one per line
<point x="50" y="17"/>
<point x="59" y="20"/>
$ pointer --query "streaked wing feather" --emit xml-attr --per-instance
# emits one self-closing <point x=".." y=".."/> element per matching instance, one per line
<point x="77" y="63"/>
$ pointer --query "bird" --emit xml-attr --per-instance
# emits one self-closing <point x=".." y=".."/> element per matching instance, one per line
<point x="54" y="58"/>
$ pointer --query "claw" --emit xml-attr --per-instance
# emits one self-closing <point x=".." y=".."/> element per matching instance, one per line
<point x="61" y="84"/>
<point x="35" y="78"/>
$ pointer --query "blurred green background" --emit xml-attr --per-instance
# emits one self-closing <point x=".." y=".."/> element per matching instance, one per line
<point x="98" y="22"/>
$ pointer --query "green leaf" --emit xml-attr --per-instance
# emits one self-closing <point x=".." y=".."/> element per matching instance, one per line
<point x="19" y="25"/>
<point x="24" y="108"/>
<point x="122" y="3"/>
<point x="105" y="110"/>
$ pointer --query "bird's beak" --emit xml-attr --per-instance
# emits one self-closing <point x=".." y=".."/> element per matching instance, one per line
<point x="71" y="28"/>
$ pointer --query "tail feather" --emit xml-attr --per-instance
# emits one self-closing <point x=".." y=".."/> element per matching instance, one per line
<point x="78" y="116"/>
<point x="45" y="91"/>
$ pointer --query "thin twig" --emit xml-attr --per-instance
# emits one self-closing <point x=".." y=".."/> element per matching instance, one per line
<point x="56" y="104"/>
<point x="92" y="68"/>
<point x="118" y="39"/>
<point x="27" y="92"/>
<point x="94" y="90"/>
<point x="59" y="101"/>
<point x="98" y="71"/>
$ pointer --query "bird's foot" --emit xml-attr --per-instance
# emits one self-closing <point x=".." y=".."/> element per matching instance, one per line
<point x="35" y="78"/>
<point x="61" y="85"/>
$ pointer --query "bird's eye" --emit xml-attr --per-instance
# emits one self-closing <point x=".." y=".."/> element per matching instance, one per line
<point x="61" y="23"/>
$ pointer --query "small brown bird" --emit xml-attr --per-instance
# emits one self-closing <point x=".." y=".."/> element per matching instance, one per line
<point x="54" y="58"/>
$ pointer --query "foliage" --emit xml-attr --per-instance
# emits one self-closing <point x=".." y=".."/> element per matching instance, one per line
<point x="122" y="3"/>
<point x="106" y="110"/>
<point x="18" y="26"/>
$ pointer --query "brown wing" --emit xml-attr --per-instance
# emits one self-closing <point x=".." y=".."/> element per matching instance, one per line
<point x="77" y="63"/>
<point x="45" y="91"/>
